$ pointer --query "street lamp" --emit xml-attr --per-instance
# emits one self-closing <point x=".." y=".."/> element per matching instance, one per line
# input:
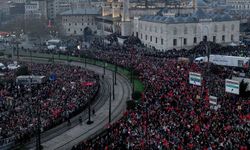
<point x="110" y="106"/>
<point x="88" y="84"/>
<point x="104" y="68"/>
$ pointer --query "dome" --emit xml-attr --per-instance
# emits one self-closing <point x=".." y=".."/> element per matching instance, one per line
<point x="200" y="14"/>
<point x="179" y="19"/>
<point x="199" y="3"/>
<point x="169" y="19"/>
<point x="190" y="19"/>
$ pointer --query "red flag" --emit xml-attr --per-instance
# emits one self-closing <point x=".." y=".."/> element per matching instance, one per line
<point x="49" y="25"/>
<point x="87" y="83"/>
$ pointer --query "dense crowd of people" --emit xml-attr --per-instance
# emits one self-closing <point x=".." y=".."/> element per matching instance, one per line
<point x="60" y="97"/>
<point x="172" y="113"/>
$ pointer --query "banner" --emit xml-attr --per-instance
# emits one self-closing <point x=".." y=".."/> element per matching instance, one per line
<point x="232" y="86"/>
<point x="213" y="100"/>
<point x="195" y="78"/>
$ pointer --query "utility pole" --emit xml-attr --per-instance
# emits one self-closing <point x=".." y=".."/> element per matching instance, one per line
<point x="115" y="72"/>
<point x="38" y="142"/>
<point x="110" y="106"/>
<point x="104" y="68"/>
<point x="113" y="82"/>
<point x="89" y="105"/>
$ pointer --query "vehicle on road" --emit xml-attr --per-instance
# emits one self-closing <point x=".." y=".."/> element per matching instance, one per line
<point x="2" y="66"/>
<point x="13" y="66"/>
<point x="224" y="60"/>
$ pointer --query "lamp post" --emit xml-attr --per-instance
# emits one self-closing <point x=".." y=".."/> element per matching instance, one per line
<point x="115" y="72"/>
<point x="110" y="106"/>
<point x="38" y="142"/>
<point x="89" y="84"/>
<point x="104" y="68"/>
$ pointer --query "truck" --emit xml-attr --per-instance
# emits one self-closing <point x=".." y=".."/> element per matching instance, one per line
<point x="224" y="60"/>
<point x="30" y="79"/>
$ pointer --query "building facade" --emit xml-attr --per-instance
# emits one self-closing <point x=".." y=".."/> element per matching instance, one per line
<point x="168" y="32"/>
<point x="239" y="4"/>
<point x="36" y="9"/>
<point x="79" y="21"/>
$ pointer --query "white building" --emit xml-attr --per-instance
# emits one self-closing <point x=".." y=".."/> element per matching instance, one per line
<point x="78" y="21"/>
<point x="168" y="32"/>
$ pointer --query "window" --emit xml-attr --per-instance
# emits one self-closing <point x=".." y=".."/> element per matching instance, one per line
<point x="150" y="38"/>
<point x="232" y="37"/>
<point x="232" y="27"/>
<point x="185" y="41"/>
<point x="81" y="29"/>
<point x="195" y="40"/>
<point x="146" y="37"/>
<point x="156" y="40"/>
<point x="185" y="30"/>
<point x="215" y="28"/>
<point x="214" y="39"/>
<point x="69" y="29"/>
<point x="223" y="28"/>
<point x="155" y="29"/>
<point x="141" y="36"/>
<point x="76" y="24"/>
<point x="174" y="42"/>
<point x="175" y="31"/>
<point x="69" y="24"/>
<point x="75" y="32"/>
<point x="195" y="30"/>
<point x="161" y="30"/>
<point x="161" y="41"/>
<point x="223" y="38"/>
<point x="150" y="28"/>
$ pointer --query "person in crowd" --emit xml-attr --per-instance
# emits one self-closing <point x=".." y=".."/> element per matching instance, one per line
<point x="172" y="113"/>
<point x="60" y="98"/>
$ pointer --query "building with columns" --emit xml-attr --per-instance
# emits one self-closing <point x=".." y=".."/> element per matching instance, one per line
<point x="171" y="31"/>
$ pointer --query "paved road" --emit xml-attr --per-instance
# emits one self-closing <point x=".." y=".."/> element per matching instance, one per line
<point x="64" y="137"/>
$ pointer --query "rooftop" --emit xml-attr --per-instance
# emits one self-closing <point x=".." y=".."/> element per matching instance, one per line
<point x="195" y="17"/>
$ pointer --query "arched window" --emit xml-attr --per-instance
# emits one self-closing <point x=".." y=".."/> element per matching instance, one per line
<point x="175" y="31"/>
<point x="215" y="28"/>
<point x="223" y="27"/>
<point x="195" y="30"/>
<point x="185" y="30"/>
<point x="232" y="27"/>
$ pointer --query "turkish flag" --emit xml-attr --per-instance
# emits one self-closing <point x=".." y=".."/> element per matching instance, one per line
<point x="87" y="83"/>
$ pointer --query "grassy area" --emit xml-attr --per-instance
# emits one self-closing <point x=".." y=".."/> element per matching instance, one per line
<point x="138" y="86"/>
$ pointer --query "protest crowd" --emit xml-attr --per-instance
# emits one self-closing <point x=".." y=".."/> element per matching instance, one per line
<point x="173" y="114"/>
<point x="58" y="99"/>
